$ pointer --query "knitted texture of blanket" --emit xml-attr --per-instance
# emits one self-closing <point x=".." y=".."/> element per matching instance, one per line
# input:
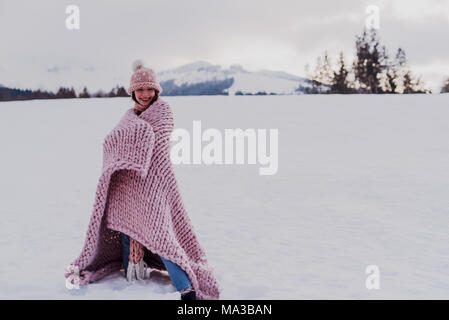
<point x="137" y="194"/>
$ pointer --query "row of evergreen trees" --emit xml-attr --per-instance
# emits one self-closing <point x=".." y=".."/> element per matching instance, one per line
<point x="7" y="94"/>
<point x="371" y="71"/>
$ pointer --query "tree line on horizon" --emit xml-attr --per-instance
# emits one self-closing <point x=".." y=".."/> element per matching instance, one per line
<point x="372" y="71"/>
<point x="8" y="94"/>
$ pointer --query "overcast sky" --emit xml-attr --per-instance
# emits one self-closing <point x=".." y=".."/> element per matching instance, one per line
<point x="258" y="34"/>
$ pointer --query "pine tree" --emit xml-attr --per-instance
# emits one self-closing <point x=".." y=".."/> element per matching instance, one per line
<point x="323" y="74"/>
<point x="112" y="93"/>
<point x="367" y="64"/>
<point x="376" y="66"/>
<point x="327" y="72"/>
<point x="391" y="78"/>
<point x="389" y="72"/>
<point x="401" y="70"/>
<point x="71" y="93"/>
<point x="407" y="83"/>
<point x="84" y="94"/>
<point x="359" y="64"/>
<point x="340" y="83"/>
<point x="121" y="92"/>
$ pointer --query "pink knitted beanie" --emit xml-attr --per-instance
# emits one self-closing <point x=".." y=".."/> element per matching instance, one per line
<point x="143" y="78"/>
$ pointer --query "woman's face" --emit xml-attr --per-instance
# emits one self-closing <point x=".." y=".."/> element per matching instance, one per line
<point x="144" y="96"/>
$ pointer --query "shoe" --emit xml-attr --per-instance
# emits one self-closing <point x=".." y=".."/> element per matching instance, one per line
<point x="137" y="271"/>
<point x="190" y="295"/>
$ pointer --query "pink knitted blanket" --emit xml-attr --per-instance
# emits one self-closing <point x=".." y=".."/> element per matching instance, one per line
<point x="137" y="194"/>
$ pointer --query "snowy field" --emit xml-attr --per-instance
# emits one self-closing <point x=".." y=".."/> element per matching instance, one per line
<point x="362" y="180"/>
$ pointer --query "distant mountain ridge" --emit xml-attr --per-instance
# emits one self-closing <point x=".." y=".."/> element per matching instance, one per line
<point x="202" y="77"/>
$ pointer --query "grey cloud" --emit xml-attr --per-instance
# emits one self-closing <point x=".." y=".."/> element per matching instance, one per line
<point x="165" y="33"/>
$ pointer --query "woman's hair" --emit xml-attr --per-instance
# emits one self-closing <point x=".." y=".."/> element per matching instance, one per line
<point x="156" y="95"/>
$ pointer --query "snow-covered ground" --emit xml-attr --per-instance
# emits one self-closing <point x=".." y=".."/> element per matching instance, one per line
<point x="362" y="180"/>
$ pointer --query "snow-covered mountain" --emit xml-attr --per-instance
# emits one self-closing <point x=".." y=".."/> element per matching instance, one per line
<point x="202" y="77"/>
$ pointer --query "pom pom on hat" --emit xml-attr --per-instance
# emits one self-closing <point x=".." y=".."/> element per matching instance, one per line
<point x="137" y="64"/>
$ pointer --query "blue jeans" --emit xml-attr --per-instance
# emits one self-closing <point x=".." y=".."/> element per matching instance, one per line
<point x="177" y="275"/>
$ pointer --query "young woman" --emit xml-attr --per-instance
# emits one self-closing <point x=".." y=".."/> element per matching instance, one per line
<point x="139" y="221"/>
